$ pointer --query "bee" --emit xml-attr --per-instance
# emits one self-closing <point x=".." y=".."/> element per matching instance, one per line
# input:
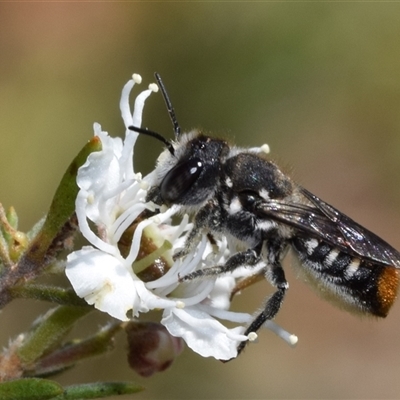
<point x="241" y="194"/>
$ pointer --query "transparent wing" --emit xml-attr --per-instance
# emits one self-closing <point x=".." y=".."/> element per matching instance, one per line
<point x="323" y="221"/>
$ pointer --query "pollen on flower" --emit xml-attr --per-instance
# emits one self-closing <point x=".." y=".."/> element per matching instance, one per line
<point x="293" y="339"/>
<point x="252" y="336"/>
<point x="262" y="149"/>
<point x="289" y="338"/>
<point x="265" y="148"/>
<point x="180" y="304"/>
<point x="90" y="199"/>
<point x="153" y="87"/>
<point x="137" y="78"/>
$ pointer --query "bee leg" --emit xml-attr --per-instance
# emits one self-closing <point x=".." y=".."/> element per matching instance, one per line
<point x="191" y="242"/>
<point x="206" y="219"/>
<point x="276" y="276"/>
<point x="248" y="257"/>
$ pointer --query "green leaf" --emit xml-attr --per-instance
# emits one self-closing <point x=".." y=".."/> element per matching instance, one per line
<point x="29" y="389"/>
<point x="77" y="350"/>
<point x="12" y="217"/>
<point x="98" y="390"/>
<point x="51" y="330"/>
<point x="54" y="294"/>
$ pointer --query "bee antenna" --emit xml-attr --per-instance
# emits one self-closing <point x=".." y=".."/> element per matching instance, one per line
<point x="170" y="108"/>
<point x="153" y="134"/>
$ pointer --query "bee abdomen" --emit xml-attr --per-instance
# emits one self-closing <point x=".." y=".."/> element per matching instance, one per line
<point x="354" y="283"/>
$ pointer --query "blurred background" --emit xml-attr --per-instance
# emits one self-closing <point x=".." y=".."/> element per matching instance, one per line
<point x="320" y="83"/>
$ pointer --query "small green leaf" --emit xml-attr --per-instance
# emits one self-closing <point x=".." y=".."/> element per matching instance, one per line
<point x="51" y="330"/>
<point x="98" y="390"/>
<point x="36" y="228"/>
<point x="54" y="294"/>
<point x="5" y="260"/>
<point x="76" y="351"/>
<point x="29" y="389"/>
<point x="12" y="217"/>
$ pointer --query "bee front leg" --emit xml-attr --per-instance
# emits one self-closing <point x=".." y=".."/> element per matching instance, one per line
<point x="206" y="219"/>
<point x="248" y="257"/>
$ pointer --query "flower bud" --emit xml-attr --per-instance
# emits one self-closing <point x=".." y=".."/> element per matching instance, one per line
<point x="151" y="347"/>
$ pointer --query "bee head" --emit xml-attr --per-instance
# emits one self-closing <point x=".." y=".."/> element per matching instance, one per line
<point x="187" y="170"/>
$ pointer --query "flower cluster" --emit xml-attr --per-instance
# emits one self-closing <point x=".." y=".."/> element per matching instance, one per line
<point x="128" y="269"/>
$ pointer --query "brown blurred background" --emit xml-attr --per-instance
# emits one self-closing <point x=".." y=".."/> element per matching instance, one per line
<point x="320" y="83"/>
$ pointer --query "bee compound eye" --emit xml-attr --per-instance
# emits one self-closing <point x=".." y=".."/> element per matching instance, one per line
<point x="180" y="179"/>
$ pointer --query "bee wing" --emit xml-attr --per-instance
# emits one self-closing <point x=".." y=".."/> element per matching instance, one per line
<point x="327" y="223"/>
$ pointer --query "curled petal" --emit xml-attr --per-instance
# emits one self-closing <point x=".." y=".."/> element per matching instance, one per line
<point x="202" y="333"/>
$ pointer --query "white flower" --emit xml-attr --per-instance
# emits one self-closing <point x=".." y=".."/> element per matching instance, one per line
<point x="109" y="272"/>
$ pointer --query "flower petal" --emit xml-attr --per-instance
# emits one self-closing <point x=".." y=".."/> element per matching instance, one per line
<point x="103" y="281"/>
<point x="202" y="333"/>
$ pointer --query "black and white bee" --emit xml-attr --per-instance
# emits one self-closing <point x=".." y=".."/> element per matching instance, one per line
<point x="241" y="194"/>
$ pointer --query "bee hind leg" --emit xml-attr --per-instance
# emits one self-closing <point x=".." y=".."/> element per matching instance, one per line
<point x="275" y="275"/>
